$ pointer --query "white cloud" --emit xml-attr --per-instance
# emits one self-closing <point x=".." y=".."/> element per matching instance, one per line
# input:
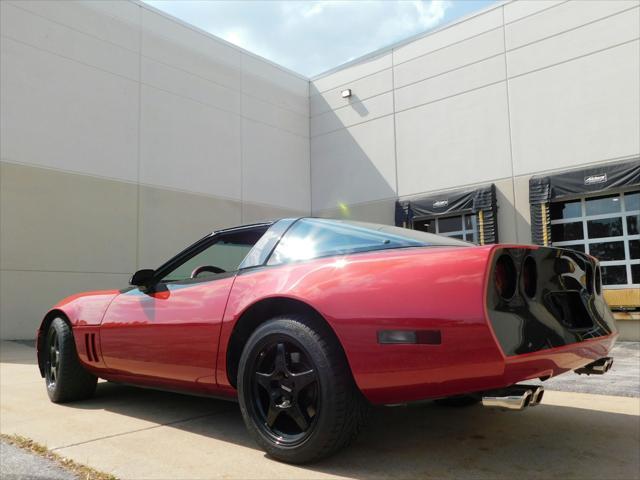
<point x="313" y="36"/>
<point x="431" y="14"/>
<point x="315" y="9"/>
<point x="237" y="36"/>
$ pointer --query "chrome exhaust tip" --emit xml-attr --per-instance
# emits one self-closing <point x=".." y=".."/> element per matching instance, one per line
<point x="599" y="367"/>
<point x="518" y="400"/>
<point x="536" y="397"/>
<point x="516" y="397"/>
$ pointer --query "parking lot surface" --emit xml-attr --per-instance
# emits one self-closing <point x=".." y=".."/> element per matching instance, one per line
<point x="137" y="433"/>
<point x="622" y="380"/>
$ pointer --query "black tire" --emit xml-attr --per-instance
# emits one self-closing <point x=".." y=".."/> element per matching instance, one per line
<point x="65" y="377"/>
<point x="458" y="401"/>
<point x="314" y="383"/>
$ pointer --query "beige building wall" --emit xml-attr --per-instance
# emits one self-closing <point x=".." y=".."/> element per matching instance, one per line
<point x="522" y="88"/>
<point x="125" y="136"/>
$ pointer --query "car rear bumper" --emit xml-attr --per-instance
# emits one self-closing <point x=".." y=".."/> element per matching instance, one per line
<point x="551" y="320"/>
<point x="553" y="362"/>
<point x="403" y="384"/>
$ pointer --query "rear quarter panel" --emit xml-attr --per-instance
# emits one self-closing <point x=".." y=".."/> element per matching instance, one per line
<point x="435" y="288"/>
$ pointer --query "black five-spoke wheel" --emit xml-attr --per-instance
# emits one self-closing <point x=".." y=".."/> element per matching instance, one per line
<point x="53" y="359"/>
<point x="296" y="393"/>
<point x="65" y="377"/>
<point x="285" y="393"/>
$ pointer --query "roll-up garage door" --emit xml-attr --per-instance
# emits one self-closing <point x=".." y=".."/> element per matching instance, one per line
<point x="595" y="210"/>
<point x="467" y="214"/>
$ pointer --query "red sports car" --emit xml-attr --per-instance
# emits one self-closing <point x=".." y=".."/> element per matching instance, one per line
<point x="309" y="321"/>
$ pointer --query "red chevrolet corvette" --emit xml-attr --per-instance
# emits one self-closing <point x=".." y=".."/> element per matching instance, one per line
<point x="309" y="321"/>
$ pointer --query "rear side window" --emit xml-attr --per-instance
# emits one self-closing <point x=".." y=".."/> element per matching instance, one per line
<point x="313" y="238"/>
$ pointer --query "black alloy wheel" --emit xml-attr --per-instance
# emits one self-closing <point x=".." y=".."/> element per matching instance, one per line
<point x="296" y="393"/>
<point x="285" y="392"/>
<point x="66" y="378"/>
<point x="53" y="358"/>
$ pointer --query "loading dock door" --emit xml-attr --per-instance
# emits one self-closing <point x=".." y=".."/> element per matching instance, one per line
<point x="595" y="210"/>
<point x="467" y="214"/>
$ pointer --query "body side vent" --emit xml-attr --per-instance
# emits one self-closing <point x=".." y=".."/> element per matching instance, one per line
<point x="90" y="347"/>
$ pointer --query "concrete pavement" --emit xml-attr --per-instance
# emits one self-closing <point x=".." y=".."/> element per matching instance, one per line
<point x="622" y="380"/>
<point x="136" y="433"/>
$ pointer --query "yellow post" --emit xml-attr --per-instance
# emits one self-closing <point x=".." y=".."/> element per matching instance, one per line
<point x="545" y="230"/>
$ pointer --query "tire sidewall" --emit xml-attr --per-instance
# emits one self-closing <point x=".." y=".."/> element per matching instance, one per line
<point x="73" y="381"/>
<point x="302" y="335"/>
<point x="61" y="329"/>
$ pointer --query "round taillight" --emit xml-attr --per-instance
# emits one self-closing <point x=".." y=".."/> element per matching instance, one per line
<point x="505" y="277"/>
<point x="598" y="280"/>
<point x="530" y="277"/>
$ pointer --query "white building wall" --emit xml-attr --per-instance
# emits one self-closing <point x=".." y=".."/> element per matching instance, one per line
<point x="522" y="88"/>
<point x="126" y="135"/>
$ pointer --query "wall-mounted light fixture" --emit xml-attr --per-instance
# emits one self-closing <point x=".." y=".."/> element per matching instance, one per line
<point x="346" y="93"/>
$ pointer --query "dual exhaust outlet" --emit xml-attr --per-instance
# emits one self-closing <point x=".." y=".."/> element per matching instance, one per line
<point x="517" y="397"/>
<point x="599" y="367"/>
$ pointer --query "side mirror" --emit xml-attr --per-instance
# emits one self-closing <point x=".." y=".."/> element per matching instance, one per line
<point x="142" y="278"/>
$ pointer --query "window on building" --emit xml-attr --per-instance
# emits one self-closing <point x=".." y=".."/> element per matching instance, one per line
<point x="607" y="227"/>
<point x="462" y="227"/>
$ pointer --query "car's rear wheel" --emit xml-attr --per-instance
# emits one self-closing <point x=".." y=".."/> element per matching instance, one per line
<point x="65" y="377"/>
<point x="458" y="401"/>
<point x="297" y="396"/>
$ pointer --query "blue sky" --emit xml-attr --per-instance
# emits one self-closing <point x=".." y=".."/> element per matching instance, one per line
<point x="313" y="36"/>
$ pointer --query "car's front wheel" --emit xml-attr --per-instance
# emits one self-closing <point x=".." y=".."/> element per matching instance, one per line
<point x="297" y="396"/>
<point x="65" y="377"/>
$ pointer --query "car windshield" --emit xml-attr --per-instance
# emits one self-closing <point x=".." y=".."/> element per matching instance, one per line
<point x="314" y="237"/>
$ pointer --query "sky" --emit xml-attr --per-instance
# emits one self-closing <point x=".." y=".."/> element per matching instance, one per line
<point x="313" y="36"/>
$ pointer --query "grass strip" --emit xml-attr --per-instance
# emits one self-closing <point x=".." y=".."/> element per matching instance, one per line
<point x="82" y="471"/>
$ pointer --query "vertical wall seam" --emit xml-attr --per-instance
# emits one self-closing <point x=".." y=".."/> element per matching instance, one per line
<point x="241" y="121"/>
<point x="393" y="100"/>
<point x="506" y="77"/>
<point x="138" y="205"/>
<point x="1" y="227"/>
<point x="309" y="142"/>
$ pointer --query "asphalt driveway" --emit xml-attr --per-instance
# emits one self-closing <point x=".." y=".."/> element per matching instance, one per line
<point x="136" y="433"/>
<point x="18" y="464"/>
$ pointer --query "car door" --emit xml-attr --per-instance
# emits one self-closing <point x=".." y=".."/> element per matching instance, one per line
<point x="167" y="333"/>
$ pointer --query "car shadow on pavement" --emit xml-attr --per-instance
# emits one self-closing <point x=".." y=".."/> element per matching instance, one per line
<point x="424" y="440"/>
<point x="419" y="441"/>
